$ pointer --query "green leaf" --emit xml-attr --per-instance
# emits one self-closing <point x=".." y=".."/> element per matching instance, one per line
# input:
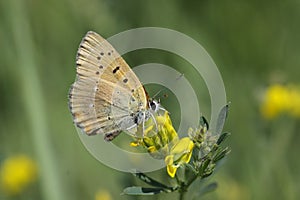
<point x="221" y="119"/>
<point x="180" y="173"/>
<point x="203" y="122"/>
<point x="222" y="138"/>
<point x="204" y="166"/>
<point x="215" y="148"/>
<point x="207" y="174"/>
<point x="221" y="154"/>
<point x="190" y="168"/>
<point x="136" y="190"/>
<point x="206" y="189"/>
<point x="190" y="172"/>
<point x="150" y="181"/>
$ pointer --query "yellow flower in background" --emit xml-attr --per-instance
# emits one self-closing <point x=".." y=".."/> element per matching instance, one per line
<point x="16" y="173"/>
<point x="276" y="100"/>
<point x="281" y="99"/>
<point x="180" y="154"/>
<point x="102" y="195"/>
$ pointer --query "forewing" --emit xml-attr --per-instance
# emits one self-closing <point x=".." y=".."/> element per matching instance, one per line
<point x="106" y="94"/>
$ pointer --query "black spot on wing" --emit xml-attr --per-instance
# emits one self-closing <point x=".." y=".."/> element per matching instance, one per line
<point x="116" y="69"/>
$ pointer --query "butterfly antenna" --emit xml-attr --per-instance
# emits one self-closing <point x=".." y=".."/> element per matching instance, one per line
<point x="157" y="93"/>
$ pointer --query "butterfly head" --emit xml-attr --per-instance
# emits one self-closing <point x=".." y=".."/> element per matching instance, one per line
<point x="154" y="105"/>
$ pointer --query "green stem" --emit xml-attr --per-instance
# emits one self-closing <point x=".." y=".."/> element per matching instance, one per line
<point x="26" y="67"/>
<point x="181" y="195"/>
<point x="184" y="187"/>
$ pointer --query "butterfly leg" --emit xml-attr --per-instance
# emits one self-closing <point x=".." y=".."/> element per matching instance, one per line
<point x="131" y="127"/>
<point x="152" y="116"/>
<point x="161" y="108"/>
<point x="144" y="119"/>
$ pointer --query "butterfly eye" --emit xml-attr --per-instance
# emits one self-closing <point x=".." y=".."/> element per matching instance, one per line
<point x="153" y="105"/>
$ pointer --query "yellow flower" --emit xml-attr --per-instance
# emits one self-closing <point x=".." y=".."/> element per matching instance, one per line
<point x="158" y="136"/>
<point x="16" y="173"/>
<point x="281" y="99"/>
<point x="163" y="143"/>
<point x="102" y="195"/>
<point x="275" y="102"/>
<point x="180" y="153"/>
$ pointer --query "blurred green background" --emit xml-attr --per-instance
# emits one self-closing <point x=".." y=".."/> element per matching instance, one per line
<point x="253" y="43"/>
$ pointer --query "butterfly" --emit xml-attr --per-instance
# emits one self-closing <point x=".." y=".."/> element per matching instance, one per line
<point x="107" y="97"/>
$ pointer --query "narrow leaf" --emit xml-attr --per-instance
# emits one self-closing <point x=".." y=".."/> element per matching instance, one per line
<point x="190" y="168"/>
<point x="204" y="166"/>
<point x="209" y="172"/>
<point x="222" y="137"/>
<point x="150" y="181"/>
<point x="221" y="119"/>
<point x="203" y="122"/>
<point x="221" y="154"/>
<point x="135" y="190"/>
<point x="190" y="172"/>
